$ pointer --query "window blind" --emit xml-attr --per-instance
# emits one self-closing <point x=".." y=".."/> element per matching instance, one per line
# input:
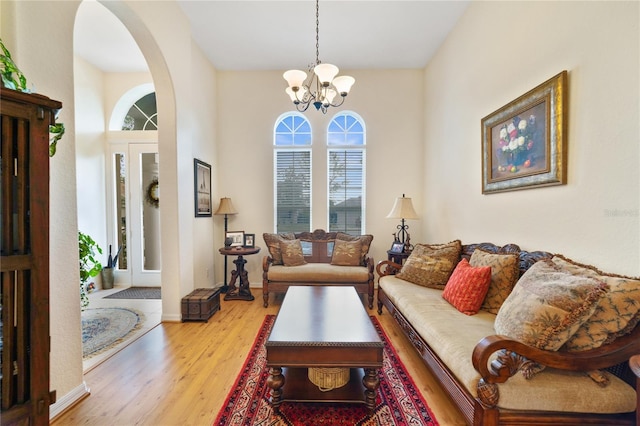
<point x="293" y="190"/>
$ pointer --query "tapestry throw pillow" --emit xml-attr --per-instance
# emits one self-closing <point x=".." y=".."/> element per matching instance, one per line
<point x="547" y="306"/>
<point x="617" y="313"/>
<point x="292" y="253"/>
<point x="347" y="253"/>
<point x="467" y="287"/>
<point x="273" y="244"/>
<point x="431" y="265"/>
<point x="365" y="241"/>
<point x="505" y="271"/>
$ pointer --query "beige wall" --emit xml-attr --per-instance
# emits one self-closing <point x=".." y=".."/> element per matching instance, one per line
<point x="249" y="103"/>
<point x="499" y="51"/>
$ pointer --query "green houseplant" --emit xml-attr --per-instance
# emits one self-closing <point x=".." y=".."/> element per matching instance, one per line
<point x="13" y="78"/>
<point x="89" y="265"/>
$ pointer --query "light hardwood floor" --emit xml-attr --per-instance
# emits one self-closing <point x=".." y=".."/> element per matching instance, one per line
<point x="180" y="373"/>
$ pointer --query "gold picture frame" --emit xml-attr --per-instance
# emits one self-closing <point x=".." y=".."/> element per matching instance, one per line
<point x="524" y="142"/>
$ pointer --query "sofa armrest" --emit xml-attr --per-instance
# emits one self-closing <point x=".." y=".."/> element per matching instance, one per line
<point x="387" y="267"/>
<point x="368" y="262"/>
<point x="507" y="364"/>
<point x="512" y="355"/>
<point x="267" y="261"/>
<point x="634" y="364"/>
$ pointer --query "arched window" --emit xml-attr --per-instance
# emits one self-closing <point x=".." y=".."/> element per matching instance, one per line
<point x="143" y="114"/>
<point x="292" y="173"/>
<point x="346" y="165"/>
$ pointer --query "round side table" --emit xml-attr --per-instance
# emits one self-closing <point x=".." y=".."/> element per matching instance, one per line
<point x="242" y="292"/>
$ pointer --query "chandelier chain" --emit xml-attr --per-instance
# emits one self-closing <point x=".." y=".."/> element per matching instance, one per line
<point x="301" y="90"/>
<point x="317" y="32"/>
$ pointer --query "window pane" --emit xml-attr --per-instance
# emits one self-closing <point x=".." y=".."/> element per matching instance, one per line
<point x="293" y="190"/>
<point x="345" y="129"/>
<point x="292" y="129"/>
<point x="346" y="189"/>
<point x="142" y="115"/>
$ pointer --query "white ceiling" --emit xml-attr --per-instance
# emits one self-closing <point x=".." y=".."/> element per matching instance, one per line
<point x="279" y="35"/>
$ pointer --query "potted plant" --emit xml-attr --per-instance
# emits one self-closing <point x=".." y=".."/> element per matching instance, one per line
<point x="89" y="265"/>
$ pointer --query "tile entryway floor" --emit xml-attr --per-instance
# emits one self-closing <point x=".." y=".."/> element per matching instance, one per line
<point x="152" y="310"/>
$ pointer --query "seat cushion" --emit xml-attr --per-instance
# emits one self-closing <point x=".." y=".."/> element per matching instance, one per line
<point x="318" y="272"/>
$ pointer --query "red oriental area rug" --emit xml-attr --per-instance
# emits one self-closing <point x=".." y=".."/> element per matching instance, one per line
<point x="397" y="401"/>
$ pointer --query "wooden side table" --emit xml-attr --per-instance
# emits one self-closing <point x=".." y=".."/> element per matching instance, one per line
<point x="398" y="258"/>
<point x="242" y="292"/>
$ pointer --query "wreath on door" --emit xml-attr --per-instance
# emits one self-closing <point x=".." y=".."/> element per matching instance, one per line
<point x="153" y="193"/>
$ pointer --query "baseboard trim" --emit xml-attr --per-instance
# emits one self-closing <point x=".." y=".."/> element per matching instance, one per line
<point x="171" y="318"/>
<point x="69" y="400"/>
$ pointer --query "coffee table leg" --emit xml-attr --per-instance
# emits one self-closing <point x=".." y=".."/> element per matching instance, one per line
<point x="275" y="381"/>
<point x="371" y="382"/>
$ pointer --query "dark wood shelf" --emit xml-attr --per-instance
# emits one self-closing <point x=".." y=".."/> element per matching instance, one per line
<point x="298" y="388"/>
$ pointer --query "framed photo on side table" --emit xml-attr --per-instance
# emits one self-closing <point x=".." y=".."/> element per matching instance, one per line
<point x="202" y="188"/>
<point x="250" y="240"/>
<point x="397" y="247"/>
<point x="524" y="143"/>
<point x="237" y="238"/>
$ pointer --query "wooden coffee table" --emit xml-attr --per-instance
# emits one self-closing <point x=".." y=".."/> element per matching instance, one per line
<point x="323" y="327"/>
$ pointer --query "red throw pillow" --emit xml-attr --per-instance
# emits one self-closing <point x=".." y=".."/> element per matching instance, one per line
<point x="467" y="287"/>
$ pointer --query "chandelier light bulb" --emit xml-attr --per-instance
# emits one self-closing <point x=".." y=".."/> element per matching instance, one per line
<point x="330" y="95"/>
<point x="295" y="78"/>
<point x="325" y="73"/>
<point x="343" y="84"/>
<point x="289" y="91"/>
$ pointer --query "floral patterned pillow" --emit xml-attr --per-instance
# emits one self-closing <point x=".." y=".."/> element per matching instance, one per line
<point x="273" y="244"/>
<point x="365" y="242"/>
<point x="547" y="306"/>
<point x="347" y="253"/>
<point x="505" y="271"/>
<point x="617" y="314"/>
<point x="431" y="265"/>
<point x="292" y="253"/>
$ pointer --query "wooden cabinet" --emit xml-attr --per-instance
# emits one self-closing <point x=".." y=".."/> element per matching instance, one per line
<point x="24" y="247"/>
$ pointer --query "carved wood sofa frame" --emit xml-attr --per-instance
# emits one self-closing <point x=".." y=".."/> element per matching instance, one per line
<point x="483" y="410"/>
<point x="319" y="240"/>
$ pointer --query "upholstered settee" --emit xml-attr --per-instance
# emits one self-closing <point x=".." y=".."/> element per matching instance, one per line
<point x="548" y="341"/>
<point x="317" y="258"/>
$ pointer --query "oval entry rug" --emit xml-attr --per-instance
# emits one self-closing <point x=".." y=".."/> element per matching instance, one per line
<point x="102" y="328"/>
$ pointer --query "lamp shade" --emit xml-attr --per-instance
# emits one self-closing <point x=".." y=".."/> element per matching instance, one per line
<point x="295" y="78"/>
<point x="226" y="207"/>
<point x="343" y="84"/>
<point x="402" y="209"/>
<point x="325" y="73"/>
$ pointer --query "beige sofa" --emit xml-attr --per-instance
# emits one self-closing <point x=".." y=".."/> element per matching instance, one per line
<point x="318" y="264"/>
<point x="482" y="372"/>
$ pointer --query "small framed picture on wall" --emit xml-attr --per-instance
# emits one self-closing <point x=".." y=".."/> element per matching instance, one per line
<point x="202" y="188"/>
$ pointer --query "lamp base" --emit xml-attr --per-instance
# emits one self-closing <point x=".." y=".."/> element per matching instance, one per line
<point x="224" y="288"/>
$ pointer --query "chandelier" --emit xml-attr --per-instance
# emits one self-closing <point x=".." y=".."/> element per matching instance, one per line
<point x="303" y="92"/>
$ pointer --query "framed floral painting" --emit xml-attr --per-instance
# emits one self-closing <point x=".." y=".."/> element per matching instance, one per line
<point x="524" y="142"/>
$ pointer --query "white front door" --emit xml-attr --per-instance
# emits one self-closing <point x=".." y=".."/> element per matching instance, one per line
<point x="136" y="214"/>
